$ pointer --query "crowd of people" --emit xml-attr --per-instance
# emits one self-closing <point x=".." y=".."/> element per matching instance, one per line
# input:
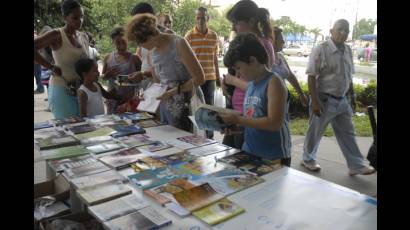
<point x="254" y="85"/>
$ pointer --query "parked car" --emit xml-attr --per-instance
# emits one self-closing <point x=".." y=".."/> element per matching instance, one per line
<point x="361" y="54"/>
<point x="298" y="50"/>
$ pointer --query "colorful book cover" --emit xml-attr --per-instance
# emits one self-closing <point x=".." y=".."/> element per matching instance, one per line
<point x="146" y="219"/>
<point x="96" y="140"/>
<point x="125" y="130"/>
<point x="105" y="147"/>
<point x="57" y="141"/>
<point x="251" y="163"/>
<point x="146" y="163"/>
<point x="207" y="118"/>
<point x="65" y="164"/>
<point x="136" y="140"/>
<point x="231" y="180"/>
<point x="197" y="197"/>
<point x="208" y="149"/>
<point x="152" y="178"/>
<point x="155" y="146"/>
<point x="46" y="133"/>
<point x="117" y="208"/>
<point x="64" y="152"/>
<point x="105" y="131"/>
<point x="103" y="192"/>
<point x="176" y="158"/>
<point x="196" y="140"/>
<point x="150" y="102"/>
<point x="197" y="169"/>
<point x="163" y="194"/>
<point x="218" y="212"/>
<point x="122" y="158"/>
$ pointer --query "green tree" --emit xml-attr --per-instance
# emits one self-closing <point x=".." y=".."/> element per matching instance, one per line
<point x="219" y="23"/>
<point x="364" y="26"/>
<point x="316" y="32"/>
<point x="184" y="16"/>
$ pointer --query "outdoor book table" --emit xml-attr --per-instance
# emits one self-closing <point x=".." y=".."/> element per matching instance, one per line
<point x="287" y="199"/>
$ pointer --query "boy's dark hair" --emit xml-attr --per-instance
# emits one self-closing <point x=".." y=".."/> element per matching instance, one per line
<point x="141" y="8"/>
<point x="243" y="47"/>
<point x="202" y="9"/>
<point x="68" y="6"/>
<point x="117" y="31"/>
<point x="83" y="66"/>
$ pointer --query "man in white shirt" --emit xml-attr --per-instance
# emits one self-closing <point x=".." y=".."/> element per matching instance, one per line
<point x="329" y="71"/>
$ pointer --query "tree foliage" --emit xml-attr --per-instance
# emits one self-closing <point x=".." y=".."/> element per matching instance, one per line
<point x="364" y="26"/>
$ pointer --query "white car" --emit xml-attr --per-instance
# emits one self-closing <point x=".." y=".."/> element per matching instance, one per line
<point x="297" y="50"/>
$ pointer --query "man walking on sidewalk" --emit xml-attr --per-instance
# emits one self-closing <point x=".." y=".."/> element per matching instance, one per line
<point x="329" y="71"/>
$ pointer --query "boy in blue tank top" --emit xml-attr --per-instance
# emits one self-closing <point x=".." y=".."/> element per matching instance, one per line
<point x="265" y="116"/>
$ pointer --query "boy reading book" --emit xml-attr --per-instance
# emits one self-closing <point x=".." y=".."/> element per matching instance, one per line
<point x="265" y="114"/>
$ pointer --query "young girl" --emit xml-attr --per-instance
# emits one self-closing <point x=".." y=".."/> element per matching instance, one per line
<point x="265" y="116"/>
<point x="90" y="93"/>
<point x="119" y="62"/>
<point x="246" y="17"/>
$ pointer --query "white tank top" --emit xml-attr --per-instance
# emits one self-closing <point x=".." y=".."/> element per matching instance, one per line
<point x="95" y="104"/>
<point x="66" y="57"/>
<point x="145" y="65"/>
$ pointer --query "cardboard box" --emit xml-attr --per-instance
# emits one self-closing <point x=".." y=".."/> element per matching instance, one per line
<point x="58" y="187"/>
<point x="80" y="217"/>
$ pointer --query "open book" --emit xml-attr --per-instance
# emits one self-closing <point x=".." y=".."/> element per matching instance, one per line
<point x="207" y="117"/>
<point x="150" y="102"/>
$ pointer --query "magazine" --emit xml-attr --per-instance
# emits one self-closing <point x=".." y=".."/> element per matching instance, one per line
<point x="150" y="102"/>
<point x="136" y="140"/>
<point x="65" y="164"/>
<point x="196" y="140"/>
<point x="122" y="158"/>
<point x="64" y="152"/>
<point x="103" y="192"/>
<point x="251" y="163"/>
<point x="208" y="149"/>
<point x="152" y="177"/>
<point x="207" y="118"/>
<point x="218" y="212"/>
<point x="163" y="193"/>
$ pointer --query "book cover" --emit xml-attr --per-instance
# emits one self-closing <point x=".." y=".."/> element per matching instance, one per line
<point x="57" y="141"/>
<point x="102" y="118"/>
<point x="105" y="131"/>
<point x="197" y="168"/>
<point x="125" y="130"/>
<point x="97" y="178"/>
<point x="163" y="193"/>
<point x="148" y="123"/>
<point x="196" y="140"/>
<point x="207" y="118"/>
<point x="84" y="128"/>
<point x="47" y="132"/>
<point x="64" y="121"/>
<point x="105" y="147"/>
<point x="208" y="149"/>
<point x="168" y="152"/>
<point x="218" y="212"/>
<point x="117" y="208"/>
<point x="42" y="125"/>
<point x="197" y="197"/>
<point x="103" y="192"/>
<point x="122" y="158"/>
<point x="251" y="163"/>
<point x="134" y="117"/>
<point x="230" y="180"/>
<point x="152" y="177"/>
<point x="87" y="169"/>
<point x="144" y="219"/>
<point x="64" y="152"/>
<point x="176" y="158"/>
<point x="150" y="102"/>
<point x="65" y="164"/>
<point x="136" y="140"/>
<point x="96" y="140"/>
<point x="146" y="163"/>
<point x="51" y="210"/>
<point x="155" y="146"/>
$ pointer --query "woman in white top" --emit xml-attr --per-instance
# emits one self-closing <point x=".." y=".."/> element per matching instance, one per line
<point x="68" y="45"/>
<point x="90" y="93"/>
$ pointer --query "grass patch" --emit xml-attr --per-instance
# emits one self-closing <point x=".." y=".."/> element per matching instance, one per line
<point x="298" y="126"/>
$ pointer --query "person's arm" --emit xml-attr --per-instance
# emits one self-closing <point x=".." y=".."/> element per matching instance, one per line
<point x="235" y="81"/>
<point x="82" y="101"/>
<point x="218" y="77"/>
<point x="295" y="84"/>
<point x="352" y="97"/>
<point x="314" y="95"/>
<point x="51" y="39"/>
<point x="108" y="73"/>
<point x="276" y="92"/>
<point x="108" y="95"/>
